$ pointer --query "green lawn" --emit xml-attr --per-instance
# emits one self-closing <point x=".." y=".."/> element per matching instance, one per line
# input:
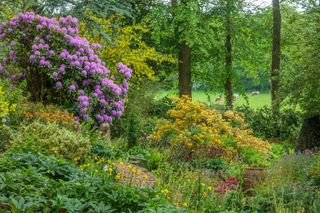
<point x="254" y="101"/>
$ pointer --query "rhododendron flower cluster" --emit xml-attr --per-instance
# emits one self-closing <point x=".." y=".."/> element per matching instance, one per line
<point x="53" y="46"/>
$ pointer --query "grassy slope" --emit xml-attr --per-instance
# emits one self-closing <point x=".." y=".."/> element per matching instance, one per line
<point x="254" y="101"/>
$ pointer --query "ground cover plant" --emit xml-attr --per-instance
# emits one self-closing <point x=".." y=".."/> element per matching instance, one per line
<point x="159" y="106"/>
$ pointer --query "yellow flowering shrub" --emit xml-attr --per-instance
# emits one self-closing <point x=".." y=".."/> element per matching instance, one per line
<point x="126" y="45"/>
<point x="5" y="107"/>
<point x="195" y="130"/>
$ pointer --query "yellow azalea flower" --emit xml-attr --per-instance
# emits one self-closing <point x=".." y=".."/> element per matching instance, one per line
<point x="118" y="176"/>
<point x="165" y="191"/>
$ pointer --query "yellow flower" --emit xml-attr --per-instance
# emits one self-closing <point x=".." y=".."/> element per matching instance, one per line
<point x="185" y="205"/>
<point x="165" y="191"/>
<point x="118" y="176"/>
<point x="110" y="169"/>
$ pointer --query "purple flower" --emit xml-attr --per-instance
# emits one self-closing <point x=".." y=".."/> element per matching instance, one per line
<point x="62" y="68"/>
<point x="12" y="43"/>
<point x="32" y="58"/>
<point x="34" y="47"/>
<point x="84" y="72"/>
<point x="55" y="74"/>
<point x="72" y="87"/>
<point x="11" y="54"/>
<point x="59" y="85"/>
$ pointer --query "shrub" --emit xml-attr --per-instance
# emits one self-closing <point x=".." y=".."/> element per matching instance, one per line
<point x="37" y="183"/>
<point x="50" y="139"/>
<point x="193" y="130"/>
<point x="60" y="66"/>
<point x="284" y="127"/>
<point x="159" y="108"/>
<point x="135" y="121"/>
<point x="30" y="112"/>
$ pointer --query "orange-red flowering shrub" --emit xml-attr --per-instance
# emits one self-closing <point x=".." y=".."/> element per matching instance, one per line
<point x="48" y="114"/>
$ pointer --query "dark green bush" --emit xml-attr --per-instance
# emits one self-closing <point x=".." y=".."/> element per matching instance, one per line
<point x="159" y="108"/>
<point x="284" y="127"/>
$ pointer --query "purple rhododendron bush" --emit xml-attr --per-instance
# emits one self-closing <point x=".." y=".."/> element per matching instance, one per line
<point x="62" y="67"/>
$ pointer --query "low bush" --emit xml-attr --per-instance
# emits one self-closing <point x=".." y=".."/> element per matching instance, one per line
<point x="50" y="139"/>
<point x="30" y="112"/>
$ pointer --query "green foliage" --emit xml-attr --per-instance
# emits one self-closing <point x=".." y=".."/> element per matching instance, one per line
<point x="101" y="149"/>
<point x="5" y="106"/>
<point x="284" y="127"/>
<point x="12" y="94"/>
<point x="5" y="136"/>
<point x="50" y="139"/>
<point x="34" y="182"/>
<point x="300" y="79"/>
<point x="160" y="107"/>
<point x="148" y="157"/>
<point x="139" y="118"/>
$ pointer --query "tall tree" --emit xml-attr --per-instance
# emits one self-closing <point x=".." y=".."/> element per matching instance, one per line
<point x="228" y="46"/>
<point x="276" y="52"/>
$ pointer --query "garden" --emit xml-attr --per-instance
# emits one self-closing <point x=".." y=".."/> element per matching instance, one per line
<point x="159" y="106"/>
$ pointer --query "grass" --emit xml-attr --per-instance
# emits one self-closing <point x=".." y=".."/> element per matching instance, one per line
<point x="254" y="101"/>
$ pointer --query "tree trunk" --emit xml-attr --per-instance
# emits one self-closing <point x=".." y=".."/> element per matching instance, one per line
<point x="276" y="51"/>
<point x="185" y="70"/>
<point x="309" y="136"/>
<point x="184" y="57"/>
<point x="228" y="45"/>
